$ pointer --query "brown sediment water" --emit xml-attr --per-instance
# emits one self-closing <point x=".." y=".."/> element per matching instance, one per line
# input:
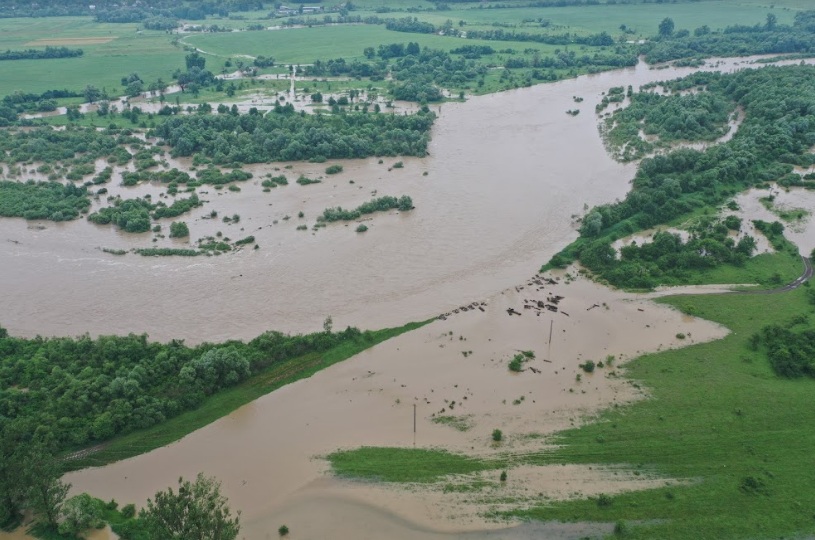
<point x="267" y="454"/>
<point x="507" y="175"/>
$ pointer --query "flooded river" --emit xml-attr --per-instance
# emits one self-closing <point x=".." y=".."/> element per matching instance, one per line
<point x="506" y="175"/>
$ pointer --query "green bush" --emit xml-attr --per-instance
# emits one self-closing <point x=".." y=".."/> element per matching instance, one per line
<point x="179" y="229"/>
<point x="497" y="435"/>
<point x="333" y="169"/>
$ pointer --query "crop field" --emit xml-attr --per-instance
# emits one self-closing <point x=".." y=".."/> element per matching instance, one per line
<point x="112" y="51"/>
<point x="304" y="45"/>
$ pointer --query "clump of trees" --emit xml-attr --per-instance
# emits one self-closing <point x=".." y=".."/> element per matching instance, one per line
<point x="41" y="54"/>
<point x="227" y="139"/>
<point x="380" y="204"/>
<point x="776" y="134"/>
<point x="701" y="116"/>
<point x="43" y="200"/>
<point x="736" y="40"/>
<point x="74" y="391"/>
<point x="134" y="215"/>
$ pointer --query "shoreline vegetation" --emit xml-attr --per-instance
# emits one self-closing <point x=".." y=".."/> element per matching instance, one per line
<point x="730" y="417"/>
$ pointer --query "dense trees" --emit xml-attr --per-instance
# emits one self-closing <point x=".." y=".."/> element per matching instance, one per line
<point x="698" y="116"/>
<point x="254" y="138"/>
<point x="380" y="204"/>
<point x="42" y="200"/>
<point x="71" y="392"/>
<point x="41" y="54"/>
<point x="777" y="133"/>
<point x="737" y="40"/>
<point x="197" y="511"/>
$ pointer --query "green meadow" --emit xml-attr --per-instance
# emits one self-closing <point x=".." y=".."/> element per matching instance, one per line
<point x="736" y="438"/>
<point x="150" y="54"/>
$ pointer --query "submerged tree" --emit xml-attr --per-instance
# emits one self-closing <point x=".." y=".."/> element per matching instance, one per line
<point x="197" y="511"/>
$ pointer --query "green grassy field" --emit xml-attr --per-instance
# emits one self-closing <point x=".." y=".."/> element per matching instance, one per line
<point x="304" y="45"/>
<point x="228" y="400"/>
<point x="150" y="54"/>
<point x="738" y="437"/>
<point x="642" y="18"/>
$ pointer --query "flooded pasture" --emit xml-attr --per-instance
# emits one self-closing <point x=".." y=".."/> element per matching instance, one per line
<point x="506" y="179"/>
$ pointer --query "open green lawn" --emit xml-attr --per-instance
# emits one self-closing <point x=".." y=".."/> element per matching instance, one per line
<point x="150" y="54"/>
<point x="717" y="416"/>
<point x="304" y="45"/>
<point x="643" y="18"/>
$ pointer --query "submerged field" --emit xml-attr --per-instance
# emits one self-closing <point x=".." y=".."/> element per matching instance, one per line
<point x="544" y="398"/>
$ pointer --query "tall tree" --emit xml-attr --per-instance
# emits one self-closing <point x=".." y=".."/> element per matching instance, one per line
<point x="197" y="511"/>
<point x="46" y="492"/>
<point x="666" y="27"/>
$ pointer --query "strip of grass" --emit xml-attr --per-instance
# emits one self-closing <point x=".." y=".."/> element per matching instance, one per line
<point x="405" y="464"/>
<point x="719" y="418"/>
<point x="228" y="400"/>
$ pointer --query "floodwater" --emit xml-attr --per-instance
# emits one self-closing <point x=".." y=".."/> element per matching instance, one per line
<point x="506" y="176"/>
<point x="267" y="454"/>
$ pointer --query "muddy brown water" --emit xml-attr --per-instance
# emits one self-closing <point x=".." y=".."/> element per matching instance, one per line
<point x="507" y="173"/>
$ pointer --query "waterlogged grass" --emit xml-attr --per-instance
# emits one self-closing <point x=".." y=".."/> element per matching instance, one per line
<point x="459" y="423"/>
<point x="718" y="418"/>
<point x="228" y="400"/>
<point x="406" y="464"/>
<point x="737" y="438"/>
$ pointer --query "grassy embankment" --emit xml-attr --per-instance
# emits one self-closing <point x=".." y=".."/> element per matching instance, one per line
<point x="717" y="418"/>
<point x="226" y="401"/>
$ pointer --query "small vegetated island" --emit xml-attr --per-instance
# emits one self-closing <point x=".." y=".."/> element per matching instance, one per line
<point x="713" y="420"/>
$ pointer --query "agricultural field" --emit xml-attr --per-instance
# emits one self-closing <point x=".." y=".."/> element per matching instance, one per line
<point x="300" y="236"/>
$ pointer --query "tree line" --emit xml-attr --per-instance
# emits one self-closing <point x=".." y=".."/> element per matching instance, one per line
<point x="777" y="133"/>
<point x="41" y="54"/>
<point x="70" y="392"/>
<point x="226" y="139"/>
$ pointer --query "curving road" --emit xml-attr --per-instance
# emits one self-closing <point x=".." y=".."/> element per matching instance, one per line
<point x="790" y="286"/>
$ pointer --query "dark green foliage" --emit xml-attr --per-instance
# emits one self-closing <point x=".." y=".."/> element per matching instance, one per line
<point x="179" y="229"/>
<point x="666" y="259"/>
<point x="274" y="181"/>
<point x="196" y="510"/>
<point x="50" y="146"/>
<point x="497" y="435"/>
<point x="244" y="241"/>
<point x="791" y="351"/>
<point x="588" y="366"/>
<point x="83" y="390"/>
<point x="179" y="206"/>
<point x="735" y="41"/>
<point x="168" y="252"/>
<point x="255" y="138"/>
<point x="517" y="363"/>
<point x="165" y="177"/>
<point x="214" y="176"/>
<point x="333" y="169"/>
<point x="361" y="228"/>
<point x="777" y="131"/>
<point x="42" y="200"/>
<point x="41" y="54"/>
<point x="130" y="215"/>
<point x="283" y="530"/>
<point x="305" y="180"/>
<point x="693" y="117"/>
<point x="380" y="204"/>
